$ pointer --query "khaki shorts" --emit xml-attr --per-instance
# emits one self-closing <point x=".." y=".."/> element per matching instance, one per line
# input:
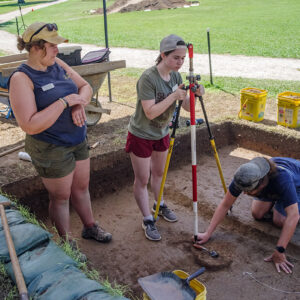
<point x="52" y="161"/>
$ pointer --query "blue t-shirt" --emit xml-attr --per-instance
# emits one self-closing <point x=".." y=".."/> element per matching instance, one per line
<point x="49" y="86"/>
<point x="283" y="187"/>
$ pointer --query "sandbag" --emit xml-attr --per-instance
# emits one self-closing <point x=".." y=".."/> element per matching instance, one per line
<point x="4" y="199"/>
<point x="25" y="237"/>
<point x="64" y="284"/>
<point x="101" y="296"/>
<point x="39" y="260"/>
<point x="14" y="217"/>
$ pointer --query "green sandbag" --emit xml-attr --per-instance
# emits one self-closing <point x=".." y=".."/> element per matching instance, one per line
<point x="101" y="296"/>
<point x="25" y="237"/>
<point x="39" y="260"/>
<point x="13" y="217"/>
<point x="4" y="199"/>
<point x="64" y="284"/>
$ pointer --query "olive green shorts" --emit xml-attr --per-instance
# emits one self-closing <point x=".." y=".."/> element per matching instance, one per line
<point x="52" y="161"/>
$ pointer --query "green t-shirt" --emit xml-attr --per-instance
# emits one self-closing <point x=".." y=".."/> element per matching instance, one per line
<point x="151" y="86"/>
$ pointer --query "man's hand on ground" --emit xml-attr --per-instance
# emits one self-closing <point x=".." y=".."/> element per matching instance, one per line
<point x="280" y="262"/>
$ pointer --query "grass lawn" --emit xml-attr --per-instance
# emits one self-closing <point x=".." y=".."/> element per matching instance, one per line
<point x="8" y="6"/>
<point x="234" y="85"/>
<point x="124" y="82"/>
<point x="263" y="28"/>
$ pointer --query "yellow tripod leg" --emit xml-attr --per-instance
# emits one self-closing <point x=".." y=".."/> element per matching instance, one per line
<point x="162" y="185"/>
<point x="212" y="142"/>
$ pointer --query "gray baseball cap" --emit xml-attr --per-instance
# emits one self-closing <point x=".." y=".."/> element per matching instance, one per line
<point x="248" y="175"/>
<point x="170" y="42"/>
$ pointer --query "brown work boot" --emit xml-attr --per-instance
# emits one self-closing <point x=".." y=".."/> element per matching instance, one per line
<point x="97" y="233"/>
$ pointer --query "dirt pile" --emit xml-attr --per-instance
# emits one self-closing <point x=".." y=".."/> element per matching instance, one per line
<point x="136" y="5"/>
<point x="154" y="5"/>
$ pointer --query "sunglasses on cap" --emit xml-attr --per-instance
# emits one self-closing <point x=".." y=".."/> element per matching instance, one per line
<point x="50" y="27"/>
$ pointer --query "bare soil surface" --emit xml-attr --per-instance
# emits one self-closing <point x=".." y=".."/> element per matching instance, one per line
<point x="230" y="276"/>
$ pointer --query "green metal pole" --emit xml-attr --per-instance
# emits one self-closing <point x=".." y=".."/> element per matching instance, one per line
<point x="209" y="57"/>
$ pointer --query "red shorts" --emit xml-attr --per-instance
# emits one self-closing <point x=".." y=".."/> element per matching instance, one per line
<point x="143" y="148"/>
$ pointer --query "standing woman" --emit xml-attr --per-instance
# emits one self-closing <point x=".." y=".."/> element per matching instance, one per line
<point x="158" y="89"/>
<point x="48" y="99"/>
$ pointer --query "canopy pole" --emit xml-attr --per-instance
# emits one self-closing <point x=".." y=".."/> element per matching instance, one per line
<point x="106" y="45"/>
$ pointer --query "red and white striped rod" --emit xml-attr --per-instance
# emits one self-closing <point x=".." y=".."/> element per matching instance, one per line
<point x="192" y="87"/>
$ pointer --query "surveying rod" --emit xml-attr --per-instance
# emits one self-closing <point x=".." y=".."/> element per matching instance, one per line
<point x="192" y="88"/>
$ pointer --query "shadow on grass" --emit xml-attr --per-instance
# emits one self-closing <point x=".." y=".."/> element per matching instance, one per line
<point x="216" y="87"/>
<point x="30" y="3"/>
<point x="124" y="104"/>
<point x="5" y="24"/>
<point x="269" y="122"/>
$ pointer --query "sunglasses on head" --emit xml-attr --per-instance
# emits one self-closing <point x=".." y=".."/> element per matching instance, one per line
<point x="50" y="27"/>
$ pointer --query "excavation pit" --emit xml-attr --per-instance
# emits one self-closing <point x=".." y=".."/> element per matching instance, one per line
<point x="242" y="243"/>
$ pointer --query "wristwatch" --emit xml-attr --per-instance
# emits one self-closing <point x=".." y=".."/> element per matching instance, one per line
<point x="65" y="101"/>
<point x="280" y="249"/>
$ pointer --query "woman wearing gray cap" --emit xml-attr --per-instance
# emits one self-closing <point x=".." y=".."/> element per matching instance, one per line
<point x="158" y="89"/>
<point x="48" y="98"/>
<point x="275" y="183"/>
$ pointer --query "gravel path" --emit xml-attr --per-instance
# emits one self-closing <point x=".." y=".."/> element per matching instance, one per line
<point x="222" y="65"/>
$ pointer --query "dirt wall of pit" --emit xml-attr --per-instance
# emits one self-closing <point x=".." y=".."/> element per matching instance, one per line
<point x="112" y="171"/>
<point x="254" y="137"/>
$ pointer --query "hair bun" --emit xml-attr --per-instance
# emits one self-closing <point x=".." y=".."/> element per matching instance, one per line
<point x="20" y="43"/>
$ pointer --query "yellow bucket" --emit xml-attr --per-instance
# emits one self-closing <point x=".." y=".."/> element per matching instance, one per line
<point x="253" y="103"/>
<point x="288" y="109"/>
<point x="196" y="285"/>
